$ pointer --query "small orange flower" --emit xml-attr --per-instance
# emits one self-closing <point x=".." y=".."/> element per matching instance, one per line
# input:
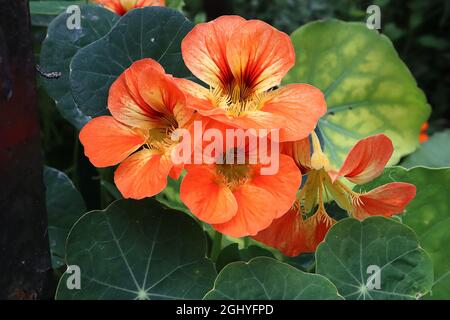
<point x="423" y="136"/>
<point x="146" y="107"/>
<point x="123" y="6"/>
<point x="236" y="198"/>
<point x="305" y="225"/>
<point x="242" y="61"/>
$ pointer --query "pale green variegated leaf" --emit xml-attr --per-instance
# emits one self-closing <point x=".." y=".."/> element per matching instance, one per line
<point x="265" y="278"/>
<point x="368" y="89"/>
<point x="376" y="259"/>
<point x="65" y="206"/>
<point x="429" y="216"/>
<point x="138" y="250"/>
<point x="434" y="153"/>
<point x="150" y="32"/>
<point x="58" y="49"/>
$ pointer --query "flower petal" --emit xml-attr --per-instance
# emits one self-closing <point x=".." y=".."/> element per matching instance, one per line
<point x="142" y="175"/>
<point x="367" y="159"/>
<point x="251" y="120"/>
<point x="113" y="5"/>
<point x="197" y="97"/>
<point x="255" y="212"/>
<point x="283" y="185"/>
<point x="107" y="142"/>
<point x="207" y="198"/>
<point x="386" y="200"/>
<point x="300" y="106"/>
<point x="160" y="91"/>
<point x="300" y="151"/>
<point x="204" y="49"/>
<point x="293" y="235"/>
<point x="150" y="3"/>
<point x="259" y="55"/>
<point x="125" y="102"/>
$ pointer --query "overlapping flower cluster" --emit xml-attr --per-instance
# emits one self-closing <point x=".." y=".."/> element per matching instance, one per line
<point x="242" y="63"/>
<point x="121" y="7"/>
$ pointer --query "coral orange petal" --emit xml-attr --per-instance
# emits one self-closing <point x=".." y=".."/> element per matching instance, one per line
<point x="300" y="106"/>
<point x="386" y="200"/>
<point x="142" y="175"/>
<point x="283" y="184"/>
<point x="160" y="91"/>
<point x="251" y="120"/>
<point x="259" y="56"/>
<point x="150" y="3"/>
<point x="124" y="101"/>
<point x="113" y="5"/>
<point x="176" y="171"/>
<point x="132" y="76"/>
<point x="292" y="235"/>
<point x="367" y="159"/>
<point x="197" y="97"/>
<point x="207" y="198"/>
<point x="204" y="49"/>
<point x="107" y="142"/>
<point x="255" y="212"/>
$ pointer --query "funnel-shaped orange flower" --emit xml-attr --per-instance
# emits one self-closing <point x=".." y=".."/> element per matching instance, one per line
<point x="146" y="107"/>
<point x="123" y="6"/>
<point x="241" y="61"/>
<point x="238" y="199"/>
<point x="305" y="225"/>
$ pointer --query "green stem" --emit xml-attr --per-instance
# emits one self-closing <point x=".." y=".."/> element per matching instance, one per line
<point x="216" y="246"/>
<point x="105" y="175"/>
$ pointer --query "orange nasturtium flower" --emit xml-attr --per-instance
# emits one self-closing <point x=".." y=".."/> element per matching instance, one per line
<point x="300" y="231"/>
<point x="146" y="107"/>
<point x="237" y="199"/>
<point x="423" y="136"/>
<point x="123" y="6"/>
<point x="241" y="61"/>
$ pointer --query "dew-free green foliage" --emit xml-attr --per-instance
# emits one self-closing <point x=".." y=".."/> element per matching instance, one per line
<point x="368" y="89"/>
<point x="150" y="32"/>
<point x="265" y="278"/>
<point x="44" y="11"/>
<point x="232" y="253"/>
<point x="351" y="247"/>
<point x="429" y="216"/>
<point x="138" y="250"/>
<point x="64" y="207"/>
<point x="58" y="49"/>
<point x="170" y="196"/>
<point x="434" y="153"/>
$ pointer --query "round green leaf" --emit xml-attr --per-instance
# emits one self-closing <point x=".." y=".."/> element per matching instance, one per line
<point x="58" y="50"/>
<point x="367" y="87"/>
<point x="354" y="254"/>
<point x="137" y="250"/>
<point x="265" y="278"/>
<point x="150" y="32"/>
<point x="64" y="207"/>
<point x="232" y="253"/>
<point x="429" y="216"/>
<point x="434" y="153"/>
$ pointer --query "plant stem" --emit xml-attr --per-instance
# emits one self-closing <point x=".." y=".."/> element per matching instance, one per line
<point x="216" y="246"/>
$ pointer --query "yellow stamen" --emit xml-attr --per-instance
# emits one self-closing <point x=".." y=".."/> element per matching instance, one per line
<point x="318" y="159"/>
<point x="233" y="174"/>
<point x="235" y="102"/>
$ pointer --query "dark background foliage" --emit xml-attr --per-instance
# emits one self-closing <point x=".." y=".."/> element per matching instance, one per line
<point x="418" y="29"/>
